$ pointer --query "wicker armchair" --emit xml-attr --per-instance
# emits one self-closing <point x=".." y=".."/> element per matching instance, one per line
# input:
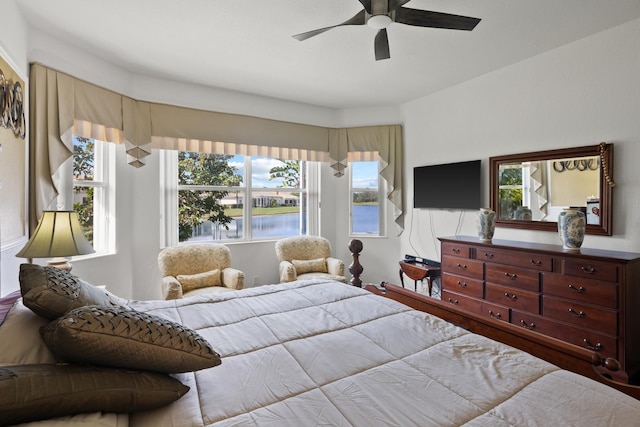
<point x="199" y="268"/>
<point x="308" y="257"/>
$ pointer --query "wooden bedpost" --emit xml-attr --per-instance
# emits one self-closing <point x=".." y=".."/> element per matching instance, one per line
<point x="355" y="246"/>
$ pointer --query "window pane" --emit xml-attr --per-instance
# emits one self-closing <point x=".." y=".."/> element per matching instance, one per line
<point x="365" y="210"/>
<point x="83" y="159"/>
<point x="209" y="169"/>
<point x="84" y="171"/>
<point x="275" y="221"/>
<point x="202" y="215"/>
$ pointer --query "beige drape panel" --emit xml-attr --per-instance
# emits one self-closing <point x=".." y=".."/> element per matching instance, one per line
<point x="62" y="106"/>
<point x="344" y="144"/>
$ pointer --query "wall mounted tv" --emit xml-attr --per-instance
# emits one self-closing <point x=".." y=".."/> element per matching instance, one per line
<point x="447" y="186"/>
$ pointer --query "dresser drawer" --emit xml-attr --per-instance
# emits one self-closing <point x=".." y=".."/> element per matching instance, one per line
<point x="463" y="285"/>
<point x="519" y="259"/>
<point x="481" y="307"/>
<point x="591" y="269"/>
<point x="606" y="345"/>
<point x="455" y="249"/>
<point x="514" y="298"/>
<point x="582" y="290"/>
<point x="587" y="316"/>
<point x="518" y="277"/>
<point x="464" y="267"/>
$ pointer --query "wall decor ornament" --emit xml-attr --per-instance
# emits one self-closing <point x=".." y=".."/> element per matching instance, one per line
<point x="12" y="106"/>
<point x="486" y="224"/>
<point x="571" y="227"/>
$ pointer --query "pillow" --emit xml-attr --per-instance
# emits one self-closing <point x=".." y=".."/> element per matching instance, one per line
<point x="311" y="265"/>
<point x="51" y="292"/>
<point x="126" y="338"/>
<point x="20" y="341"/>
<point x="71" y="389"/>
<point x="190" y="282"/>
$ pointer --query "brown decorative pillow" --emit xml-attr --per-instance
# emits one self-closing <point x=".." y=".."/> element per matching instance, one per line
<point x="126" y="338"/>
<point x="62" y="389"/>
<point x="190" y="282"/>
<point x="310" y="266"/>
<point x="51" y="292"/>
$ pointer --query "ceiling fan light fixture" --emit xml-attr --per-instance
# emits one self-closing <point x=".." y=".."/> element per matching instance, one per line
<point x="379" y="22"/>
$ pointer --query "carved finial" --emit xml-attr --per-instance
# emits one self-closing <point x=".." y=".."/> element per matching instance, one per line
<point x="355" y="246"/>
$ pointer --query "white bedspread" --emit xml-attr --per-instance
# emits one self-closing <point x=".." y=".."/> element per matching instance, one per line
<point x="324" y="353"/>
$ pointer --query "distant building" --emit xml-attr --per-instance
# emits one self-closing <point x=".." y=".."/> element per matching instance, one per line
<point x="261" y="199"/>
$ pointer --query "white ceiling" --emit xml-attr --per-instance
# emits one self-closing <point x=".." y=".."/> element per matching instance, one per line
<point x="246" y="45"/>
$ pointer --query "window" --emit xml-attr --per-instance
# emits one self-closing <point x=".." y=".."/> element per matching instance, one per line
<point x="365" y="195"/>
<point x="513" y="188"/>
<point x="87" y="184"/>
<point x="235" y="198"/>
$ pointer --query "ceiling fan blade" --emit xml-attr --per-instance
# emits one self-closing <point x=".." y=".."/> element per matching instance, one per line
<point x="426" y="18"/>
<point x="367" y="5"/>
<point x="394" y="4"/>
<point x="381" y="45"/>
<point x="357" y="19"/>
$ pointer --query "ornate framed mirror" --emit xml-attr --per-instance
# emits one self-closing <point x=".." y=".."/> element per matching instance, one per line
<point x="529" y="190"/>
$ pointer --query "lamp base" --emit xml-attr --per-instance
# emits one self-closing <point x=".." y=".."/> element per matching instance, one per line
<point x="61" y="263"/>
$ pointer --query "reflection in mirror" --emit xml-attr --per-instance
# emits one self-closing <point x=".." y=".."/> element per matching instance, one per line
<point x="529" y="190"/>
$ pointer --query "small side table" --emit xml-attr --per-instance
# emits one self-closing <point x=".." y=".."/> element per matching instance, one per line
<point x="418" y="271"/>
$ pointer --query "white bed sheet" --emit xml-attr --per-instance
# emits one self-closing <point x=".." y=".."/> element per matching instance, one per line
<point x="324" y="353"/>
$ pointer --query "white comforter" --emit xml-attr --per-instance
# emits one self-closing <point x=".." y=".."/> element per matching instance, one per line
<point x="325" y="353"/>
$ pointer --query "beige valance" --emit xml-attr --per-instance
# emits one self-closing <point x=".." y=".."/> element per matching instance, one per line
<point x="62" y="106"/>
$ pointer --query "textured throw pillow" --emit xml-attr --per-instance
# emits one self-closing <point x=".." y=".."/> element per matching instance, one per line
<point x="311" y="265"/>
<point x="190" y="282"/>
<point x="51" y="292"/>
<point x="126" y="338"/>
<point x="37" y="392"/>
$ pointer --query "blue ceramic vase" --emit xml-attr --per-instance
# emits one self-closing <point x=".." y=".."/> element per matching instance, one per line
<point x="486" y="224"/>
<point x="571" y="227"/>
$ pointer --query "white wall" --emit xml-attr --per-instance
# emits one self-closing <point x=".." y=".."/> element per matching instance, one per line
<point x="580" y="94"/>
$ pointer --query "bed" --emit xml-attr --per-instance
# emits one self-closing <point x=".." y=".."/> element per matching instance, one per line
<point x="319" y="352"/>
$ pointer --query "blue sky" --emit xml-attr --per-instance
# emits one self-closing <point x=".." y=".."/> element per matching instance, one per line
<point x="365" y="174"/>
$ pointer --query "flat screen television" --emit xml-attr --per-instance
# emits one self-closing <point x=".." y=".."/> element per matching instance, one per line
<point x="447" y="186"/>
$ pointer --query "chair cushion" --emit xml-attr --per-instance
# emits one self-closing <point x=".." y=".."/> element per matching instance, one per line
<point x="72" y="389"/>
<point x="190" y="282"/>
<point x="51" y="292"/>
<point x="310" y="265"/>
<point x="126" y="338"/>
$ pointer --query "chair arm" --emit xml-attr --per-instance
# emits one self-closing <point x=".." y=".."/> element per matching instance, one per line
<point x="287" y="272"/>
<point x="335" y="266"/>
<point x="232" y="278"/>
<point x="171" y="288"/>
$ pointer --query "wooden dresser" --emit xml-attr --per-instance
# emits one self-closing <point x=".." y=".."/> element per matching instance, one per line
<point x="590" y="298"/>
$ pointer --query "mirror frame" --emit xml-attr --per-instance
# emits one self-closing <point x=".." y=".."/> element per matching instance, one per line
<point x="603" y="150"/>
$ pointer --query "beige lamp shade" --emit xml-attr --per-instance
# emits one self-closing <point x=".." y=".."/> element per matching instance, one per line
<point x="58" y="234"/>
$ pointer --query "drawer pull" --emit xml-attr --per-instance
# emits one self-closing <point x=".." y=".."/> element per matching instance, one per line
<point x="453" y="301"/>
<point x="530" y="326"/>
<point x="588" y="269"/>
<point x="536" y="263"/>
<point x="590" y="346"/>
<point x="455" y="250"/>
<point x="512" y="276"/>
<point x="462" y="266"/>
<point x="462" y="284"/>
<point x="512" y="297"/>
<point x="488" y="255"/>
<point x="579" y="289"/>
<point x="494" y="315"/>
<point x="577" y="313"/>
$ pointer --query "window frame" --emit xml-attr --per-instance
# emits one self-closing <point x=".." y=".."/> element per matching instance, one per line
<point x="170" y="189"/>
<point x="104" y="196"/>
<point x="382" y="202"/>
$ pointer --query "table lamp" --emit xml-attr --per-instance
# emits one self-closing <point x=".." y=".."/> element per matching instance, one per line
<point x="57" y="235"/>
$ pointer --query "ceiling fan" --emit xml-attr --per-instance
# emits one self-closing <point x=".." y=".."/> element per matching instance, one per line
<point x="379" y="14"/>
